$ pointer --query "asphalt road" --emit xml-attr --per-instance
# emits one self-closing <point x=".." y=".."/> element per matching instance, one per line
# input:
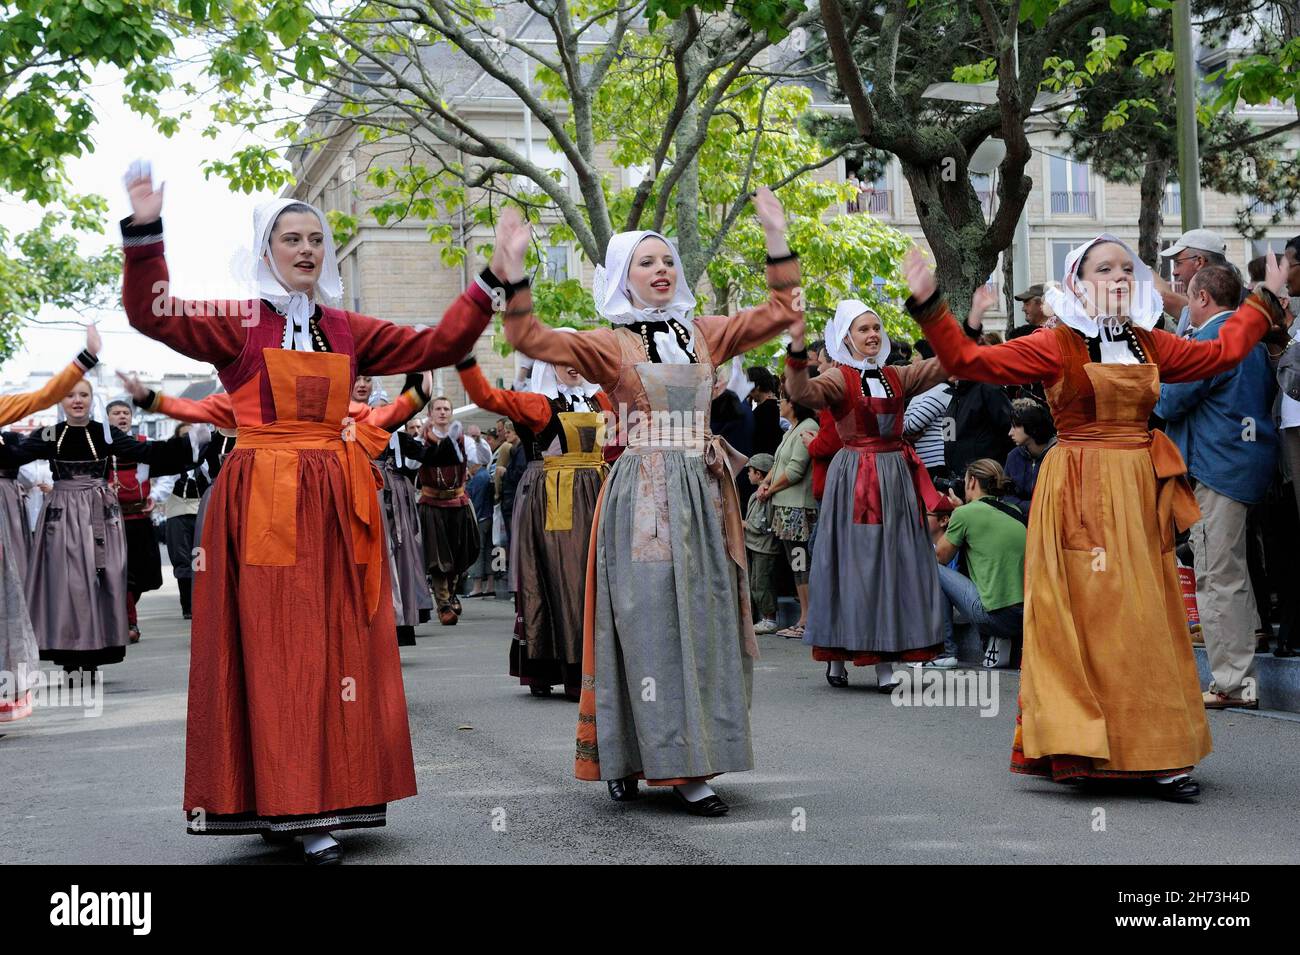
<point x="842" y="776"/>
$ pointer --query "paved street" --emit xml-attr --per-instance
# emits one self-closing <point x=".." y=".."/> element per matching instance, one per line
<point x="872" y="782"/>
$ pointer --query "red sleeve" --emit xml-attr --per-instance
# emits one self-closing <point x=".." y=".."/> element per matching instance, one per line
<point x="204" y="331"/>
<point x="828" y="439"/>
<point x="1017" y="362"/>
<point x="385" y="348"/>
<point x="1182" y="359"/>
<point x="523" y="407"/>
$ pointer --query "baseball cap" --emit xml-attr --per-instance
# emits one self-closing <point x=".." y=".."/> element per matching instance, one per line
<point x="761" y="462"/>
<point x="1201" y="240"/>
<point x="1034" y="291"/>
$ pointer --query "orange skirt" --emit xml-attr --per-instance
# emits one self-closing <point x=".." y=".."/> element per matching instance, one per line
<point x="1109" y="678"/>
<point x="297" y="713"/>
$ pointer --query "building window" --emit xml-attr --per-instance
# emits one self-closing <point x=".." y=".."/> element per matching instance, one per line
<point x="545" y="157"/>
<point x="557" y="263"/>
<point x="874" y="196"/>
<point x="1060" y="249"/>
<point x="1173" y="202"/>
<point x="1259" y="246"/>
<point x="1069" y="192"/>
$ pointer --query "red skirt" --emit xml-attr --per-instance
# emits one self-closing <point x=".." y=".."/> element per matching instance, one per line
<point x="297" y="713"/>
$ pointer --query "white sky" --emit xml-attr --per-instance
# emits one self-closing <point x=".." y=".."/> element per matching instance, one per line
<point x="207" y="225"/>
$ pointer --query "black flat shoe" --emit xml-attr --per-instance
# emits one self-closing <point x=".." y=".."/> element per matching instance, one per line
<point x="708" y="806"/>
<point x="331" y="855"/>
<point x="1185" y="790"/>
<point x="536" y="690"/>
<point x="456" y="608"/>
<point x="277" y="838"/>
<point x="623" y="790"/>
<point x="836" y="681"/>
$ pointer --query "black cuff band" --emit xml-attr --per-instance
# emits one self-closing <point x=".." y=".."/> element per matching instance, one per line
<point x="782" y="258"/>
<point x="141" y="234"/>
<point x="800" y="355"/>
<point x="148" y="403"/>
<point x="469" y="361"/>
<point x="86" y="360"/>
<point x="915" y="308"/>
<point x="490" y="280"/>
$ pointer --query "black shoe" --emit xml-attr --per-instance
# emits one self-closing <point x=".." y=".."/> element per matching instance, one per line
<point x="538" y="690"/>
<point x="623" y="790"/>
<point x="836" y="681"/>
<point x="277" y="838"/>
<point x="1184" y="790"/>
<point x="187" y="616"/>
<point x="1285" y="652"/>
<point x="330" y="855"/>
<point x="708" y="806"/>
<point x="456" y="608"/>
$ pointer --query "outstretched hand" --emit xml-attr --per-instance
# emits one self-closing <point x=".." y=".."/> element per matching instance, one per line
<point x="920" y="276"/>
<point x="146" y="202"/>
<point x="513" y="235"/>
<point x="133" y="387"/>
<point x="771" y="216"/>
<point x="93" y="342"/>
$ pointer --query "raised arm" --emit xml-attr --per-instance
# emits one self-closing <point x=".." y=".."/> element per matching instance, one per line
<point x="214" y="409"/>
<point x="205" y="331"/>
<point x="16" y="407"/>
<point x="823" y="391"/>
<point x="1017" y="362"/>
<point x="1183" y="359"/>
<point x="385" y="348"/>
<point x="523" y="407"/>
<point x="593" y="352"/>
<point x="921" y="376"/>
<point x="728" y="336"/>
<point x="416" y="392"/>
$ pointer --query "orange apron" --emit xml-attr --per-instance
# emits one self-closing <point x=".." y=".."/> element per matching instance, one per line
<point x="311" y="392"/>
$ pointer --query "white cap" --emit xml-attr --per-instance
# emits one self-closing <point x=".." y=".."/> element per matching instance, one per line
<point x="1201" y="240"/>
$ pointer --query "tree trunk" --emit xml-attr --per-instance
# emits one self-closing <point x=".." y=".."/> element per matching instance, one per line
<point x="953" y="222"/>
<point x="1151" y="211"/>
<point x="690" y="248"/>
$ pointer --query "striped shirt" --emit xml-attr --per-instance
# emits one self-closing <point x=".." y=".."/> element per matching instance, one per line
<point x="923" y="423"/>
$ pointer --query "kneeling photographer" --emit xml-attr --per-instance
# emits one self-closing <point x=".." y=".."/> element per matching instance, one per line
<point x="990" y="533"/>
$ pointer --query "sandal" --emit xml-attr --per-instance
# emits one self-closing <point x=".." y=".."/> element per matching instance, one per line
<point x="790" y="633"/>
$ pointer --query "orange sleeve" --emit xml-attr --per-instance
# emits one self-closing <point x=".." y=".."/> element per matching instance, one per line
<point x="594" y="352"/>
<point x="214" y="409"/>
<point x="522" y="407"/>
<point x="730" y="335"/>
<point x="15" y="407"/>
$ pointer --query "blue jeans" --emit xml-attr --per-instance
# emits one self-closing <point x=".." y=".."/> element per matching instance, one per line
<point x="1006" y="622"/>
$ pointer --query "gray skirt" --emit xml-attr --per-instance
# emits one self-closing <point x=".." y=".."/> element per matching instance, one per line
<point x="672" y="681"/>
<point x="19" y="653"/>
<point x="873" y="587"/>
<point x="13" y="515"/>
<point x="76" y="581"/>
<point x="406" y="550"/>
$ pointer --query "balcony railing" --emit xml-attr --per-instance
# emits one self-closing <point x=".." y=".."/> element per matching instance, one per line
<point x="875" y="201"/>
<point x="1072" y="203"/>
<point x="1261" y="208"/>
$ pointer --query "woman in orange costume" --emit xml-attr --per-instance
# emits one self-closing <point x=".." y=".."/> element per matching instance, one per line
<point x="561" y="420"/>
<point x="1108" y="688"/>
<point x="297" y="715"/>
<point x="19" y="652"/>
